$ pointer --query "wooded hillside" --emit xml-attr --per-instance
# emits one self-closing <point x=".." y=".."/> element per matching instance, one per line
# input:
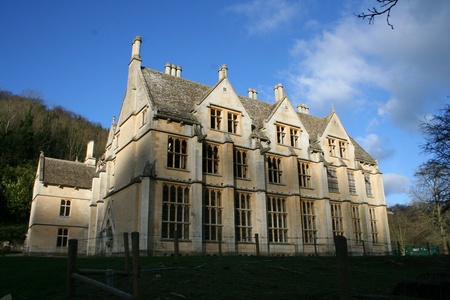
<point x="27" y="127"/>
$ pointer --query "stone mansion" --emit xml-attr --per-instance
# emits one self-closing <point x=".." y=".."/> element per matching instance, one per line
<point x="212" y="166"/>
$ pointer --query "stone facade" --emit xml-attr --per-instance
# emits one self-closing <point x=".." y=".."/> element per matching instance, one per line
<point x="210" y="165"/>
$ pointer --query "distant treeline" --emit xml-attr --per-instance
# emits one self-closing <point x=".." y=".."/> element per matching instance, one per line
<point x="27" y="127"/>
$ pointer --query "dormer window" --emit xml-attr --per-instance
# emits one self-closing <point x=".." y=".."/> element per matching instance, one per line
<point x="232" y="120"/>
<point x="337" y="147"/>
<point x="216" y="118"/>
<point x="294" y="137"/>
<point x="280" y="134"/>
<point x="287" y="135"/>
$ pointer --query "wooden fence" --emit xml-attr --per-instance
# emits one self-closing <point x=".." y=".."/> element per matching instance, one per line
<point x="73" y="273"/>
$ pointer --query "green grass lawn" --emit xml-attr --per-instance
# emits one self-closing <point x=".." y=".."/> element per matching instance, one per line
<point x="213" y="277"/>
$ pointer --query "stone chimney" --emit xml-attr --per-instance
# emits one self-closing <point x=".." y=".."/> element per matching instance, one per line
<point x="171" y="69"/>
<point x="90" y="159"/>
<point x="136" y="48"/>
<point x="303" y="108"/>
<point x="279" y="92"/>
<point x="223" y="71"/>
<point x="252" y="93"/>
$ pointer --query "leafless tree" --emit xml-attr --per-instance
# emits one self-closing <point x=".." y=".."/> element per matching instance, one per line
<point x="384" y="8"/>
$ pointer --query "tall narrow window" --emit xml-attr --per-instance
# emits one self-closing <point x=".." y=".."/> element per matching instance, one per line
<point x="274" y="167"/>
<point x="337" y="219"/>
<point x="277" y="219"/>
<point x="64" y="210"/>
<point x="144" y="117"/>
<point x="62" y="238"/>
<point x="242" y="217"/>
<point x="176" y="152"/>
<point x="351" y="183"/>
<point x="356" y="220"/>
<point x="368" y="185"/>
<point x="216" y="118"/>
<point x="373" y="225"/>
<point x="232" y="122"/>
<point x="212" y="214"/>
<point x="280" y="134"/>
<point x="304" y="174"/>
<point x="343" y="149"/>
<point x="211" y="159"/>
<point x="332" y="146"/>
<point x="333" y="186"/>
<point x="175" y="211"/>
<point x="294" y="137"/>
<point x="240" y="159"/>
<point x="308" y="222"/>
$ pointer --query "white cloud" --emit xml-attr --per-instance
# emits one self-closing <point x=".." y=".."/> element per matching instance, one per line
<point x="410" y="64"/>
<point x="395" y="184"/>
<point x="376" y="146"/>
<point x="263" y="16"/>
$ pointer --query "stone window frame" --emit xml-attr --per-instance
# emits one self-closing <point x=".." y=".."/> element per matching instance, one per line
<point x="215" y="117"/>
<point x="62" y="237"/>
<point x="337" y="147"/>
<point x="356" y="222"/>
<point x="275" y="169"/>
<point x="233" y="119"/>
<point x="64" y="208"/>
<point x="373" y="225"/>
<point x="240" y="162"/>
<point x="175" y="211"/>
<point x="243" y="216"/>
<point x="277" y="223"/>
<point x="304" y="174"/>
<point x="368" y="185"/>
<point x="292" y="133"/>
<point x="332" y="179"/>
<point x="351" y="182"/>
<point x="212" y="214"/>
<point x="309" y="228"/>
<point x="211" y="158"/>
<point x="232" y="122"/>
<point x="177" y="152"/>
<point x="337" y="219"/>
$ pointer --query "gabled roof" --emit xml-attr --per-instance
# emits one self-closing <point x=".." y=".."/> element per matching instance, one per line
<point x="67" y="173"/>
<point x="176" y="97"/>
<point x="361" y="154"/>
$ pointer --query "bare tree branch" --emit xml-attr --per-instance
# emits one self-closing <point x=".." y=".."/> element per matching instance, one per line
<point x="385" y="6"/>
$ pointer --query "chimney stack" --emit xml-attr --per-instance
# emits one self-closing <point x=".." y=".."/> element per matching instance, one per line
<point x="279" y="92"/>
<point x="303" y="108"/>
<point x="136" y="48"/>
<point x="252" y="93"/>
<point x="90" y="159"/>
<point x="223" y="72"/>
<point x="171" y="69"/>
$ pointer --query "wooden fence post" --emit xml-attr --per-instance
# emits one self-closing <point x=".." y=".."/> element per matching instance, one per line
<point x="220" y="241"/>
<point x="257" y="243"/>
<point x="399" y="249"/>
<point x="126" y="245"/>
<point x="136" y="266"/>
<point x="175" y="245"/>
<point x="71" y="266"/>
<point x="316" y="253"/>
<point x="342" y="261"/>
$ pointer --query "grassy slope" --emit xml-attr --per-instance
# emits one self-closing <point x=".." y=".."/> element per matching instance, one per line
<point x="218" y="277"/>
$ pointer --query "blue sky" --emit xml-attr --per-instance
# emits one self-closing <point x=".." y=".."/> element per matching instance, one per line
<point x="382" y="82"/>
